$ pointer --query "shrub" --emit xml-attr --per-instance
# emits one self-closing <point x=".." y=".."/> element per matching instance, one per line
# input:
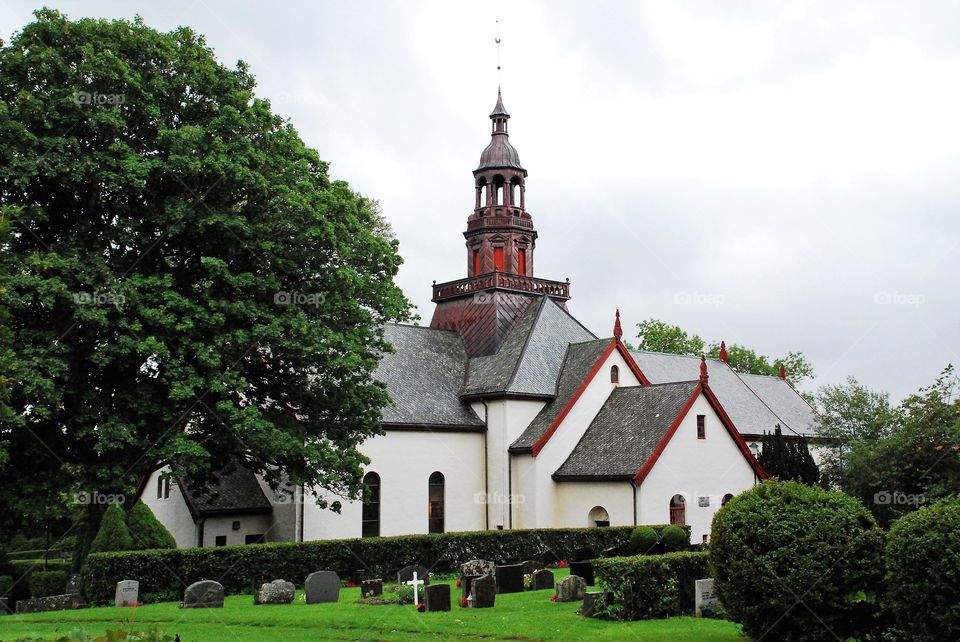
<point x="6" y="585"/>
<point x="643" y="539"/>
<point x="650" y="586"/>
<point x="44" y="583"/>
<point x="113" y="534"/>
<point x="923" y="567"/>
<point x="146" y="531"/>
<point x="675" y="538"/>
<point x="794" y="562"/>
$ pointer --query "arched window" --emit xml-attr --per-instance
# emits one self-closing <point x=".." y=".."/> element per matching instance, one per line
<point x="598" y="517"/>
<point x="614" y="374"/>
<point x="678" y="510"/>
<point x="371" y="505"/>
<point x="435" y="508"/>
<point x="726" y="498"/>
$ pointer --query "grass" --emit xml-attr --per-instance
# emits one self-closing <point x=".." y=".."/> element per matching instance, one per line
<point x="518" y="616"/>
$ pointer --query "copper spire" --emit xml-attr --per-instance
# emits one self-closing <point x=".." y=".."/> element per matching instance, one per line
<point x="703" y="370"/>
<point x="617" y="330"/>
<point x="723" y="352"/>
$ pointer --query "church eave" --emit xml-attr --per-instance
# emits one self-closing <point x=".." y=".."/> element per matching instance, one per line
<point x="427" y="427"/>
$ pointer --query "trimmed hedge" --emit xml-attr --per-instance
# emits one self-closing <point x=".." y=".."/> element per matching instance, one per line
<point x="923" y="569"/>
<point x="46" y="583"/>
<point x="163" y="574"/>
<point x="643" y="539"/>
<point x="650" y="586"/>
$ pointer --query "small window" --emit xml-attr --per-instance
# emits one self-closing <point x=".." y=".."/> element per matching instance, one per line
<point x="498" y="259"/>
<point x="701" y="426"/>
<point x="370" y="516"/>
<point x="678" y="510"/>
<point x="522" y="262"/>
<point x="614" y="374"/>
<point x="598" y="517"/>
<point x="253" y="539"/>
<point x="435" y="490"/>
<point x="163" y="488"/>
<point x="220" y="540"/>
<point x="726" y="498"/>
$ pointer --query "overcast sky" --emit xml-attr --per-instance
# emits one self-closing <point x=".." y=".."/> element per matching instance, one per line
<point x="783" y="176"/>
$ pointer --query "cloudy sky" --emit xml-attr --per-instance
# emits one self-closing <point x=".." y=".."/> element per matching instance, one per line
<point x="780" y="175"/>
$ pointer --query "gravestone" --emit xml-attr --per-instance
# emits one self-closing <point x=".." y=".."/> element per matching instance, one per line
<point x="73" y="588"/>
<point x="570" y="589"/>
<point x="584" y="570"/>
<point x="510" y="578"/>
<point x="321" y="586"/>
<point x="358" y="576"/>
<point x="704" y="598"/>
<point x="465" y="583"/>
<point x="275" y="592"/>
<point x="483" y="590"/>
<point x="541" y="580"/>
<point x="549" y="557"/>
<point x="531" y="566"/>
<point x="584" y="554"/>
<point x="590" y="600"/>
<point x="371" y="588"/>
<point x="437" y="597"/>
<point x="478" y="567"/>
<point x="127" y="593"/>
<point x="406" y="574"/>
<point x="43" y="604"/>
<point x="205" y="594"/>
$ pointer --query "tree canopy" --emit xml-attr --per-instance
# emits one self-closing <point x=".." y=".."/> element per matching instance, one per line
<point x="185" y="284"/>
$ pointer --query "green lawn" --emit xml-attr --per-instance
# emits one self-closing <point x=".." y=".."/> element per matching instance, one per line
<point x="518" y="616"/>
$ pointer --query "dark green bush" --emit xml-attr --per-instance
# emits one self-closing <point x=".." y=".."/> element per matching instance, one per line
<point x="797" y="563"/>
<point x="650" y="586"/>
<point x="6" y="584"/>
<point x="675" y="538"/>
<point x="923" y="570"/>
<point x="113" y="534"/>
<point x="146" y="531"/>
<point x="44" y="583"/>
<point x="643" y="539"/>
<point x="160" y="572"/>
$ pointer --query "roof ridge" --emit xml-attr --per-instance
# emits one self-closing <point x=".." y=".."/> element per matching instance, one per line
<point x="567" y="312"/>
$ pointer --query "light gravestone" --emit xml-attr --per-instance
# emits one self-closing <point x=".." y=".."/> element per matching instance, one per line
<point x="478" y="567"/>
<point x="322" y="586"/>
<point x="483" y="592"/>
<point x="205" y="594"/>
<point x="705" y="599"/>
<point x="73" y="588"/>
<point x="416" y="583"/>
<point x="127" y="593"/>
<point x="276" y="592"/>
<point x="541" y="580"/>
<point x="570" y="589"/>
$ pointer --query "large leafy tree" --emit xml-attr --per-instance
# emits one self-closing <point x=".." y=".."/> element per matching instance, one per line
<point x="186" y="285"/>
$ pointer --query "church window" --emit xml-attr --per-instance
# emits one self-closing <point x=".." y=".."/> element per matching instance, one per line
<point x="726" y="498"/>
<point x="476" y="262"/>
<point x="220" y="540"/>
<point x="678" y="510"/>
<point x="701" y="426"/>
<point x="371" y="505"/>
<point x="521" y="262"/>
<point x="498" y="259"/>
<point x="435" y="487"/>
<point x="614" y="374"/>
<point x="598" y="517"/>
<point x="163" y="488"/>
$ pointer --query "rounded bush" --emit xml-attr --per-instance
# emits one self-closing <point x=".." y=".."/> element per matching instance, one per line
<point x="923" y="567"/>
<point x="643" y="539"/>
<point x="113" y="534"/>
<point x="146" y="530"/>
<point x="795" y="562"/>
<point x="674" y="538"/>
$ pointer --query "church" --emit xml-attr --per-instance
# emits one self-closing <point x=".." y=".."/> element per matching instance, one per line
<point x="508" y="413"/>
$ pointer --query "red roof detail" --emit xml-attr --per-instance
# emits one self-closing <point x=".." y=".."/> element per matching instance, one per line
<point x="617" y="330"/>
<point x="723" y="352"/>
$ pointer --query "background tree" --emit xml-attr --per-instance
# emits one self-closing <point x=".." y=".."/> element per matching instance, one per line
<point x="657" y="336"/>
<point x="145" y="529"/>
<point x="788" y="460"/>
<point x="186" y="285"/>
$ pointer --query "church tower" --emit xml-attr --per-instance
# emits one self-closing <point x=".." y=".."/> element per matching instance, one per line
<point x="500" y="284"/>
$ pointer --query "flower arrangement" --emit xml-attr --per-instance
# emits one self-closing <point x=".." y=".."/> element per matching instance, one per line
<point x="421" y="608"/>
<point x="458" y="583"/>
<point x="350" y="584"/>
<point x="464" y="602"/>
<point x="553" y="598"/>
<point x="562" y="564"/>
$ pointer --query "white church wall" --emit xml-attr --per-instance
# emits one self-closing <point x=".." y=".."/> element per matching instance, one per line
<point x="171" y="511"/>
<point x="524" y="491"/>
<point x="285" y="520"/>
<point x="576" y="500"/>
<point x="694" y="468"/>
<point x="404" y="460"/>
<point x="222" y="526"/>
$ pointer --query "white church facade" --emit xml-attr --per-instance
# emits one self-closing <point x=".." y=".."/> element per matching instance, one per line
<point x="508" y="413"/>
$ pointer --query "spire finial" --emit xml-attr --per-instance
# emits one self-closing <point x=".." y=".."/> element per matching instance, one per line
<point x="496" y="39"/>
<point x="617" y="330"/>
<point x="723" y="352"/>
<point x="704" y="377"/>
<point x="783" y="372"/>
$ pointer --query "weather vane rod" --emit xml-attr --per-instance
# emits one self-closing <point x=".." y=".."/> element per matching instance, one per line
<point x="496" y="39"/>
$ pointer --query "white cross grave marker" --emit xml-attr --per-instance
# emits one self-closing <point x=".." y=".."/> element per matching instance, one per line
<point x="416" y="584"/>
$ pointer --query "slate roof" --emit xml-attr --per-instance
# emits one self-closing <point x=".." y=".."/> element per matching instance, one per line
<point x="424" y="377"/>
<point x="234" y="492"/>
<point x="755" y="403"/>
<point x="579" y="359"/>
<point x="530" y="359"/>
<point x="626" y="431"/>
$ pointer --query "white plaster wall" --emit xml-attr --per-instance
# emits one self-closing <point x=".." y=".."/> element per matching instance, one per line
<point x="285" y="520"/>
<point x="524" y="491"/>
<point x="694" y="468"/>
<point x="576" y="499"/>
<point x="172" y="512"/>
<point x="404" y="460"/>
<point x="223" y="525"/>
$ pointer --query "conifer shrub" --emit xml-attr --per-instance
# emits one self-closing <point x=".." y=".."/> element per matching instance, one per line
<point x="643" y="539"/>
<point x="795" y="562"/>
<point x="923" y="569"/>
<point x="113" y="534"/>
<point x="675" y="538"/>
<point x="146" y="530"/>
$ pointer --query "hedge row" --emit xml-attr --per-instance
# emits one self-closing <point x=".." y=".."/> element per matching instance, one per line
<point x="163" y="574"/>
<point x="650" y="586"/>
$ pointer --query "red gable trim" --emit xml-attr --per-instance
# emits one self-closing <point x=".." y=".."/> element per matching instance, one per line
<point x="724" y="419"/>
<point x="634" y="368"/>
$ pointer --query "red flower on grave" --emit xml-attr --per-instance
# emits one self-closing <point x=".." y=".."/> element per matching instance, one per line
<point x="458" y="583"/>
<point x="351" y="584"/>
<point x="463" y="602"/>
<point x="553" y="598"/>
<point x="561" y="564"/>
<point x="421" y="608"/>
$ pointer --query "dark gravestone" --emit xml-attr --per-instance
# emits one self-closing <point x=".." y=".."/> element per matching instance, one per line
<point x="321" y="586"/>
<point x="275" y="592"/>
<point x="371" y="588"/>
<point x="205" y="594"/>
<point x="590" y="602"/>
<point x="484" y="592"/>
<point x="358" y="576"/>
<point x="541" y="580"/>
<point x="531" y="566"/>
<point x="584" y="570"/>
<point x="437" y="597"/>
<point x="477" y="567"/>
<point x="406" y="574"/>
<point x="510" y="578"/>
<point x="465" y="583"/>
<point x="584" y="554"/>
<point x="43" y="604"/>
<point x="549" y="557"/>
